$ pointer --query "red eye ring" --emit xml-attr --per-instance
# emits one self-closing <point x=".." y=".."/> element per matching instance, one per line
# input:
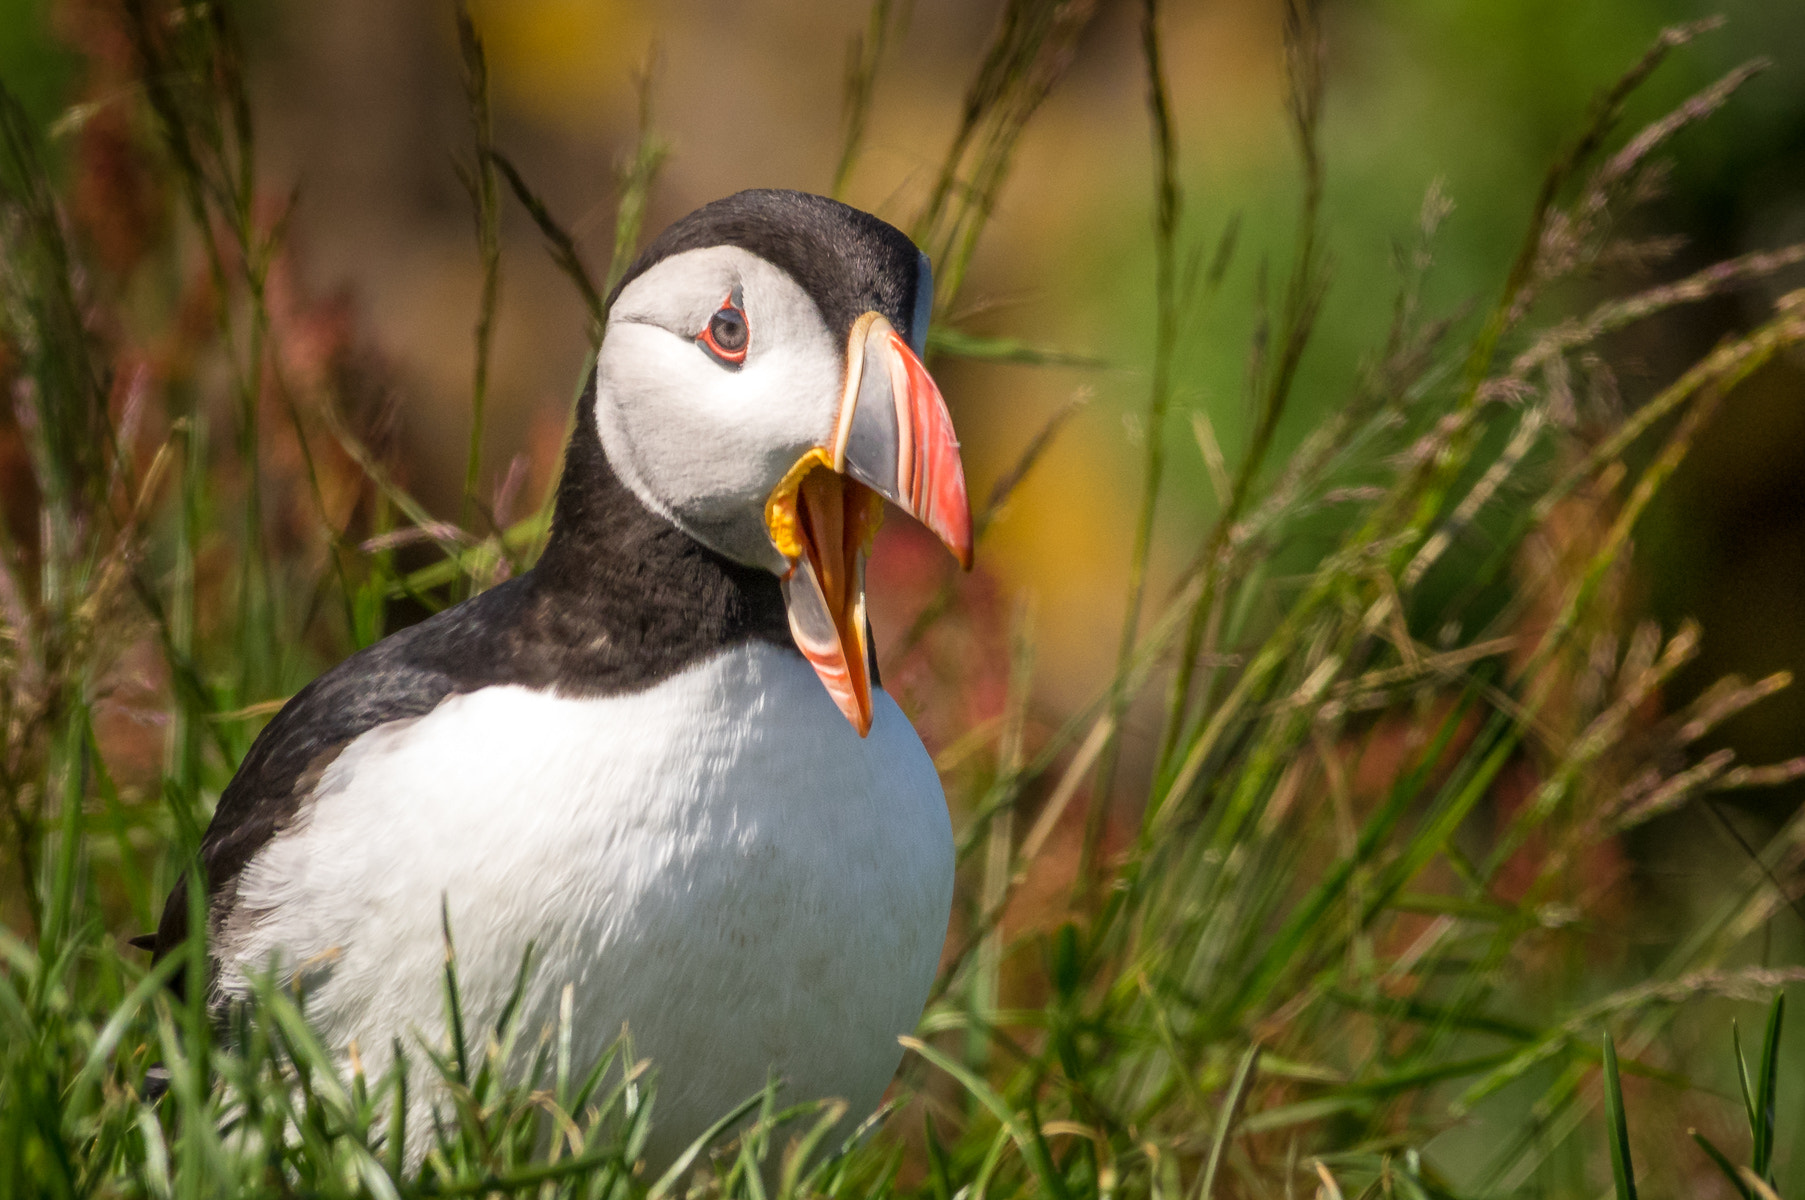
<point x="727" y="335"/>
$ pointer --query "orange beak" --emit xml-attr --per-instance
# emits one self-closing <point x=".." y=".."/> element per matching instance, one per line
<point x="893" y="441"/>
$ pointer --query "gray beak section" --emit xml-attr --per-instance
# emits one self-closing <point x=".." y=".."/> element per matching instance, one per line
<point x="896" y="435"/>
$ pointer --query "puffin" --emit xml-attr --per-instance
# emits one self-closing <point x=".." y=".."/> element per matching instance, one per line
<point x="662" y="758"/>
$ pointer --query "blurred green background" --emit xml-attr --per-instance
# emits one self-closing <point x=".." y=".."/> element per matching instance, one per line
<point x="360" y="107"/>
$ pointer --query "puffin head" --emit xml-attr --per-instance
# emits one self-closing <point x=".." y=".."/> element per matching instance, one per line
<point x="760" y="386"/>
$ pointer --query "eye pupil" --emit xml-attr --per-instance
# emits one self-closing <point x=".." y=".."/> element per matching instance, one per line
<point x="728" y="329"/>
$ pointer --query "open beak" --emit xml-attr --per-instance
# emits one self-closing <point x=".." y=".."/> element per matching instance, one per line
<point x="893" y="441"/>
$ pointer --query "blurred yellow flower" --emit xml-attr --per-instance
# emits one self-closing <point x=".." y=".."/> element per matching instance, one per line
<point x="558" y="59"/>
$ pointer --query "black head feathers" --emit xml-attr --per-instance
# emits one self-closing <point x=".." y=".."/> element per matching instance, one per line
<point x="849" y="262"/>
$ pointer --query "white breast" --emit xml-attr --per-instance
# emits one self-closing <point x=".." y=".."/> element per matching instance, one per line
<point x="719" y="864"/>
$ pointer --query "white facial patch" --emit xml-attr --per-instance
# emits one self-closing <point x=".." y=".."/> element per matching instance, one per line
<point x="699" y="441"/>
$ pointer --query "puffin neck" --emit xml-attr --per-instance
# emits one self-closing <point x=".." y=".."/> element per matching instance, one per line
<point x="629" y="568"/>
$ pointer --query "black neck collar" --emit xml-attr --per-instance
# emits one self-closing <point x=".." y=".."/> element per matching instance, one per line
<point x="624" y="594"/>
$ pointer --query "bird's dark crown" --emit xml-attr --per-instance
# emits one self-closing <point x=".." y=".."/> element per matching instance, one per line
<point x="849" y="262"/>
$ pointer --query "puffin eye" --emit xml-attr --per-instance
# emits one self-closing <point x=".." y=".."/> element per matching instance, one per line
<point x="727" y="334"/>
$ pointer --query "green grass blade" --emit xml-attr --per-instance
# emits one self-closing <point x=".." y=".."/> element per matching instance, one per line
<point x="1225" y="1120"/>
<point x="796" y="1157"/>
<point x="635" y="185"/>
<point x="60" y="901"/>
<point x="397" y="1130"/>
<point x="480" y="180"/>
<point x="1723" y="1164"/>
<point x="940" y="1171"/>
<point x="1766" y="1086"/>
<point x="1748" y="1087"/>
<point x="559" y="243"/>
<point x="1027" y="1139"/>
<point x="514" y="1182"/>
<point x="955" y="343"/>
<point x="1623" y="1171"/>
<point x="101" y="1051"/>
<point x="454" y="1003"/>
<point x="675" y="1173"/>
<point x="863" y="58"/>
